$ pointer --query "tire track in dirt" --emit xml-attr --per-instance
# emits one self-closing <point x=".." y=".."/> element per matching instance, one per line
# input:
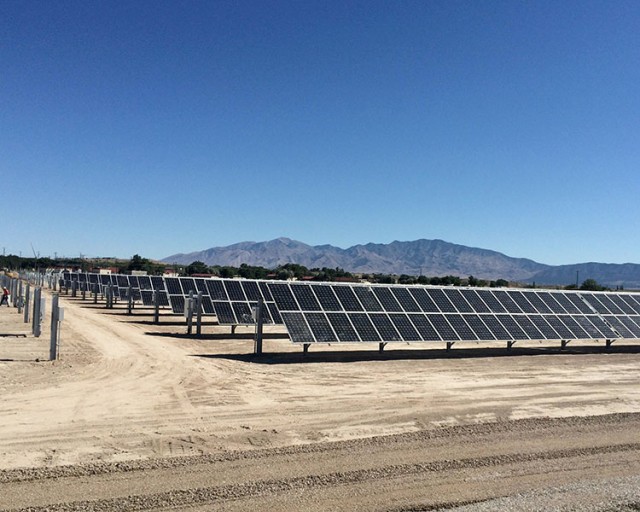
<point x="200" y="496"/>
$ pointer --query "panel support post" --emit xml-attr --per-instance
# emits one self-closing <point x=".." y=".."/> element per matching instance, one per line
<point x="188" y="311"/>
<point x="55" y="322"/>
<point x="95" y="293"/>
<point x="19" y="297"/>
<point x="233" y="329"/>
<point x="156" y="307"/>
<point x="305" y="347"/>
<point x="37" y="314"/>
<point x="608" y="344"/>
<point x="27" y="302"/>
<point x="257" y="346"/>
<point x="381" y="347"/>
<point x="510" y="344"/>
<point x="84" y="293"/>
<point x="129" y="300"/>
<point x="563" y="344"/>
<point x="199" y="314"/>
<point x="74" y="288"/>
<point x="449" y="345"/>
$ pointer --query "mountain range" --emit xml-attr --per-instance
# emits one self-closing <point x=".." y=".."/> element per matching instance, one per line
<point x="419" y="257"/>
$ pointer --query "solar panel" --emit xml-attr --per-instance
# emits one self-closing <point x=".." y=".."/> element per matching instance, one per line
<point x="620" y="326"/>
<point x="622" y="304"/>
<point x="528" y="327"/>
<point x="424" y="300"/>
<point x="559" y="326"/>
<point x="566" y="304"/>
<point x="145" y="283"/>
<point x="234" y="290"/>
<point x="632" y="323"/>
<point x="201" y="286"/>
<point x="225" y="313"/>
<point x="552" y="303"/>
<point x="506" y="300"/>
<point x="298" y="327"/>
<point x="342" y="327"/>
<point x="387" y="299"/>
<point x="495" y="306"/>
<point x="442" y="327"/>
<point x="497" y="329"/>
<point x="173" y="286"/>
<point x="444" y="304"/>
<point x="327" y="298"/>
<point x="605" y="330"/>
<point x="283" y="297"/>
<point x="424" y="327"/>
<point x="591" y="330"/>
<point x="633" y="301"/>
<point x="157" y="283"/>
<point x="207" y="305"/>
<point x="364" y="327"/>
<point x="177" y="303"/>
<point x="512" y="327"/>
<point x="320" y="327"/>
<point x="578" y="332"/>
<point x="406" y="300"/>
<point x="367" y="298"/>
<point x="536" y="301"/>
<point x="474" y="300"/>
<point x="216" y="290"/>
<point x="608" y="303"/>
<point x="252" y="290"/>
<point x="521" y="300"/>
<point x="547" y="331"/>
<point x="458" y="300"/>
<point x="347" y="298"/>
<point x="462" y="329"/>
<point x="243" y="314"/>
<point x="582" y="306"/>
<point x="266" y="293"/>
<point x="404" y="326"/>
<point x="482" y="331"/>
<point x="384" y="326"/>
<point x="122" y="280"/>
<point x="306" y="299"/>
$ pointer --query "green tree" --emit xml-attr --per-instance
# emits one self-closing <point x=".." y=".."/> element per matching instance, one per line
<point x="137" y="262"/>
<point x="196" y="267"/>
<point x="406" y="279"/>
<point x="591" y="285"/>
<point x="228" y="272"/>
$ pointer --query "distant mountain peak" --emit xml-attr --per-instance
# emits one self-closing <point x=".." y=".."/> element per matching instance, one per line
<point x="419" y="257"/>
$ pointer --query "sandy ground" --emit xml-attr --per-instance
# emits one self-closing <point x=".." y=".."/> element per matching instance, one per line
<point x="137" y="416"/>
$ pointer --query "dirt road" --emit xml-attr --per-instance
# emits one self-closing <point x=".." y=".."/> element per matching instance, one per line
<point x="137" y="416"/>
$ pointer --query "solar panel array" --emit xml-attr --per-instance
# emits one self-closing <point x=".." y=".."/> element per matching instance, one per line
<point x="142" y="287"/>
<point x="358" y="312"/>
<point x="231" y="300"/>
<point x="334" y="313"/>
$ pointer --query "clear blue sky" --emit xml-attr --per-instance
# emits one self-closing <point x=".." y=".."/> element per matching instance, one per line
<point x="163" y="127"/>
